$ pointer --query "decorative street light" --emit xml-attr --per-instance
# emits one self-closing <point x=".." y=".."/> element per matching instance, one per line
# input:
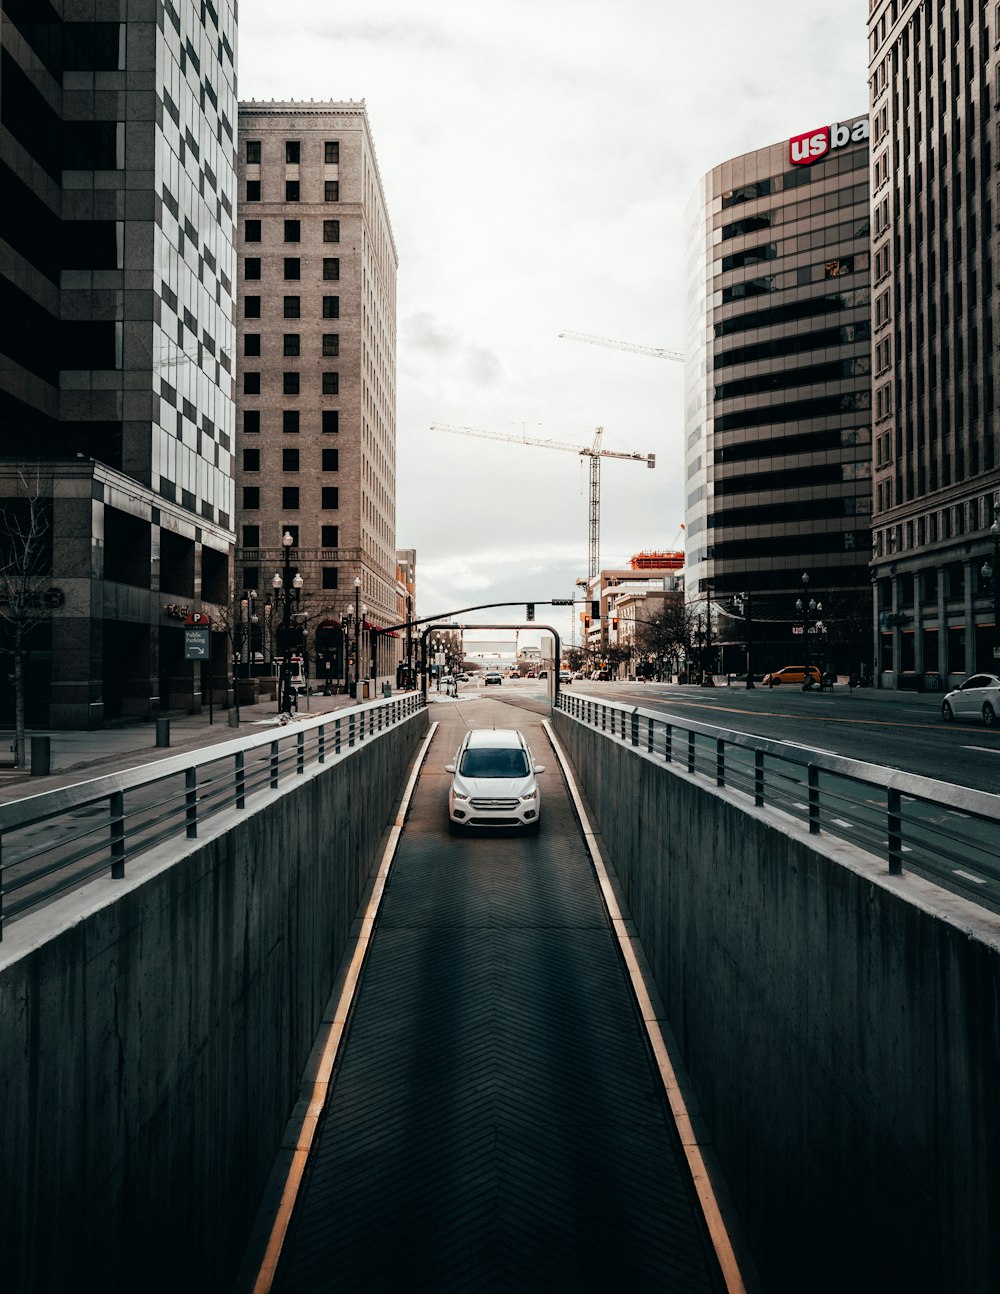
<point x="357" y="635"/>
<point x="289" y="591"/>
<point x="991" y="573"/>
<point x="243" y="645"/>
<point x="810" y="624"/>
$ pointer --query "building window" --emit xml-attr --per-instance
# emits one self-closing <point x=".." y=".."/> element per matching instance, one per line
<point x="328" y="577"/>
<point x="331" y="152"/>
<point x="289" y="498"/>
<point x="292" y="150"/>
<point x="331" y="307"/>
<point x="253" y="190"/>
<point x="251" y="383"/>
<point x="331" y="383"/>
<point x="251" y="267"/>
<point x="251" y="421"/>
<point x="329" y="497"/>
<point x="291" y="194"/>
<point x="331" y="190"/>
<point x="331" y="420"/>
<point x="290" y="383"/>
<point x="331" y="231"/>
<point x="251" y="577"/>
<point x="251" y="498"/>
<point x="331" y="267"/>
<point x="251" y="343"/>
<point x="293" y="267"/>
<point x="253" y="152"/>
<point x="293" y="231"/>
<point x="330" y="536"/>
<point x="293" y="307"/>
<point x="251" y="460"/>
<point x="289" y="460"/>
<point x="331" y="460"/>
<point x="251" y="536"/>
<point x="290" y="343"/>
<point x="331" y="343"/>
<point x="251" y="231"/>
<point x="290" y="420"/>
<point x="251" y="307"/>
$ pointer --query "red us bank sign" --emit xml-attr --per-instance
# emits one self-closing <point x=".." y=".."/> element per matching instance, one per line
<point x="805" y="149"/>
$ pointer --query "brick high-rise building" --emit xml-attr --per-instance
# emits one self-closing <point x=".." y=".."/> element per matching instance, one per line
<point x="933" y="80"/>
<point x="316" y="367"/>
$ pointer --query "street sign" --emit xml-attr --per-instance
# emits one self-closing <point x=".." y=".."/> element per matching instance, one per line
<point x="797" y="629"/>
<point x="197" y="618"/>
<point x="561" y="602"/>
<point x="196" y="644"/>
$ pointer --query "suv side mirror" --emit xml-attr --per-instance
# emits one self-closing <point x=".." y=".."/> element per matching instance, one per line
<point x="539" y="768"/>
<point x="449" y="768"/>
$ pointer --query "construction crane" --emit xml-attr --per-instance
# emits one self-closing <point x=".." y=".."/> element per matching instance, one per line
<point x="656" y="351"/>
<point x="593" y="451"/>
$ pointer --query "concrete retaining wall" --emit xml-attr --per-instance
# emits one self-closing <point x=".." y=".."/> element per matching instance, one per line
<point x="153" y="1034"/>
<point x="840" y="1027"/>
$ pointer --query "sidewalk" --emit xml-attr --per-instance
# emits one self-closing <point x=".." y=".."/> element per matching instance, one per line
<point x="79" y="756"/>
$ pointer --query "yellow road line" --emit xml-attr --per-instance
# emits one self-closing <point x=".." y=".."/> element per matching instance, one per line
<point x="313" y="1097"/>
<point x="711" y="1211"/>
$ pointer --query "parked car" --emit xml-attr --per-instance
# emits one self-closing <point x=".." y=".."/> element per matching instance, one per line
<point x="492" y="677"/>
<point x="977" y="698"/>
<point x="494" y="782"/>
<point x="792" y="674"/>
<point x="529" y="673"/>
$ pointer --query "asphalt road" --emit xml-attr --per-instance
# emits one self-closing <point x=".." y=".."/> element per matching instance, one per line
<point x="901" y="730"/>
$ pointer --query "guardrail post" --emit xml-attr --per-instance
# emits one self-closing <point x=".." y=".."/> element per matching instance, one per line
<point x="352" y="723"/>
<point x="758" y="778"/>
<point x="300" y="752"/>
<point x="274" y="765"/>
<point x="635" y="728"/>
<point x="649" y="735"/>
<point x="336" y="736"/>
<point x="1" y="888"/>
<point x="895" y="832"/>
<point x="117" y="807"/>
<point x="690" y="752"/>
<point x="321" y="741"/>
<point x="668" y="742"/>
<point x="720" y="762"/>
<point x="241" y="780"/>
<point x="191" y="802"/>
<point x="604" y="718"/>
<point x="813" y="775"/>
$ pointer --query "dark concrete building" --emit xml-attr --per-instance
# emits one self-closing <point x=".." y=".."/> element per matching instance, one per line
<point x="117" y="142"/>
<point x="934" y="73"/>
<point x="778" y="398"/>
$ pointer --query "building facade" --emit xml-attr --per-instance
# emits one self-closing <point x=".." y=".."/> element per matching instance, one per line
<point x="778" y="390"/>
<point x="933" y="81"/>
<point x="316" y="371"/>
<point x="117" y="142"/>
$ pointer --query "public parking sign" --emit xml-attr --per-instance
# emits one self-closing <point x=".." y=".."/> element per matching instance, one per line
<point x="196" y="644"/>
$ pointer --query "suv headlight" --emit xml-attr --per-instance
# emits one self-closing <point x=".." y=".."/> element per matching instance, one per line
<point x="459" y="795"/>
<point x="530" y="795"/>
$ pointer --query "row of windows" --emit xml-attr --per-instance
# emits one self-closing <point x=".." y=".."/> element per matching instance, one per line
<point x="290" y="383"/>
<point x="293" y="152"/>
<point x="794" y="312"/>
<point x="329" y="538"/>
<point x="948" y="523"/>
<point x="291" y="231"/>
<point x="293" y="191"/>
<point x="291" y="460"/>
<point x="787" y="378"/>
<point x="328" y="574"/>
<point x="855" y="195"/>
<point x="291" y="343"/>
<point x="252" y="268"/>
<point x="292" y="307"/>
<point x="290" y="495"/>
<point x="798" y="343"/>
<point x="290" y="421"/>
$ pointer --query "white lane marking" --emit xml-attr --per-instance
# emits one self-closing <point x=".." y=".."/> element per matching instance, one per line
<point x="986" y="750"/>
<point x="979" y="880"/>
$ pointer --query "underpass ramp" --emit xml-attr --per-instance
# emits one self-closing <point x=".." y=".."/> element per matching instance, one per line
<point x="496" y="1121"/>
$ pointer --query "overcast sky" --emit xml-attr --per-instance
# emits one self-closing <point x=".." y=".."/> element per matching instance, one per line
<point x="537" y="158"/>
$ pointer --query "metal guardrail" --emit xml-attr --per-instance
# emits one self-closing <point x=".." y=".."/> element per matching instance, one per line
<point x="55" y="841"/>
<point x="949" y="833"/>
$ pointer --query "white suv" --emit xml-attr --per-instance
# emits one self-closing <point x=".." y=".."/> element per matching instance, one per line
<point x="493" y="782"/>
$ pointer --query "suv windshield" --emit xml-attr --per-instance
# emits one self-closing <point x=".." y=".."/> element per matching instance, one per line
<point x="490" y="761"/>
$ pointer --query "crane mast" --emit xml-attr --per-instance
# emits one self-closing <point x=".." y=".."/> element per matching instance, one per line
<point x="593" y="451"/>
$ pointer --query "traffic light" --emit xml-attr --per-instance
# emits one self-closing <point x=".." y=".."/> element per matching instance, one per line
<point x="595" y="609"/>
<point x="530" y="611"/>
<point x="614" y="623"/>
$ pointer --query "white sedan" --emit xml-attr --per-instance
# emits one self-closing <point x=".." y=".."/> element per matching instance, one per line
<point x="977" y="698"/>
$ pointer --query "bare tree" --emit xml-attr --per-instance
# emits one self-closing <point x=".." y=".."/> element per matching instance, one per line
<point x="25" y="579"/>
<point x="668" y="635"/>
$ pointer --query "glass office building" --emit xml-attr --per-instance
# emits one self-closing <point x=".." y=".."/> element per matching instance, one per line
<point x="778" y="394"/>
<point x="934" y="81"/>
<point x="118" y="132"/>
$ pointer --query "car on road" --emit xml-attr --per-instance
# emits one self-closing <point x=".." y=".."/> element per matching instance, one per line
<point x="600" y="676"/>
<point x="565" y="676"/>
<point x="494" y="782"/>
<point x="977" y="698"/>
<point x="492" y="677"/>
<point x="792" y="674"/>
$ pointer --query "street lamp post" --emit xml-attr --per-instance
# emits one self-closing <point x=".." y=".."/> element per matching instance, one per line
<point x="992" y="574"/>
<point x="742" y="601"/>
<point x="289" y="589"/>
<point x="809" y="611"/>
<point x="243" y="644"/>
<point x="357" y="636"/>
